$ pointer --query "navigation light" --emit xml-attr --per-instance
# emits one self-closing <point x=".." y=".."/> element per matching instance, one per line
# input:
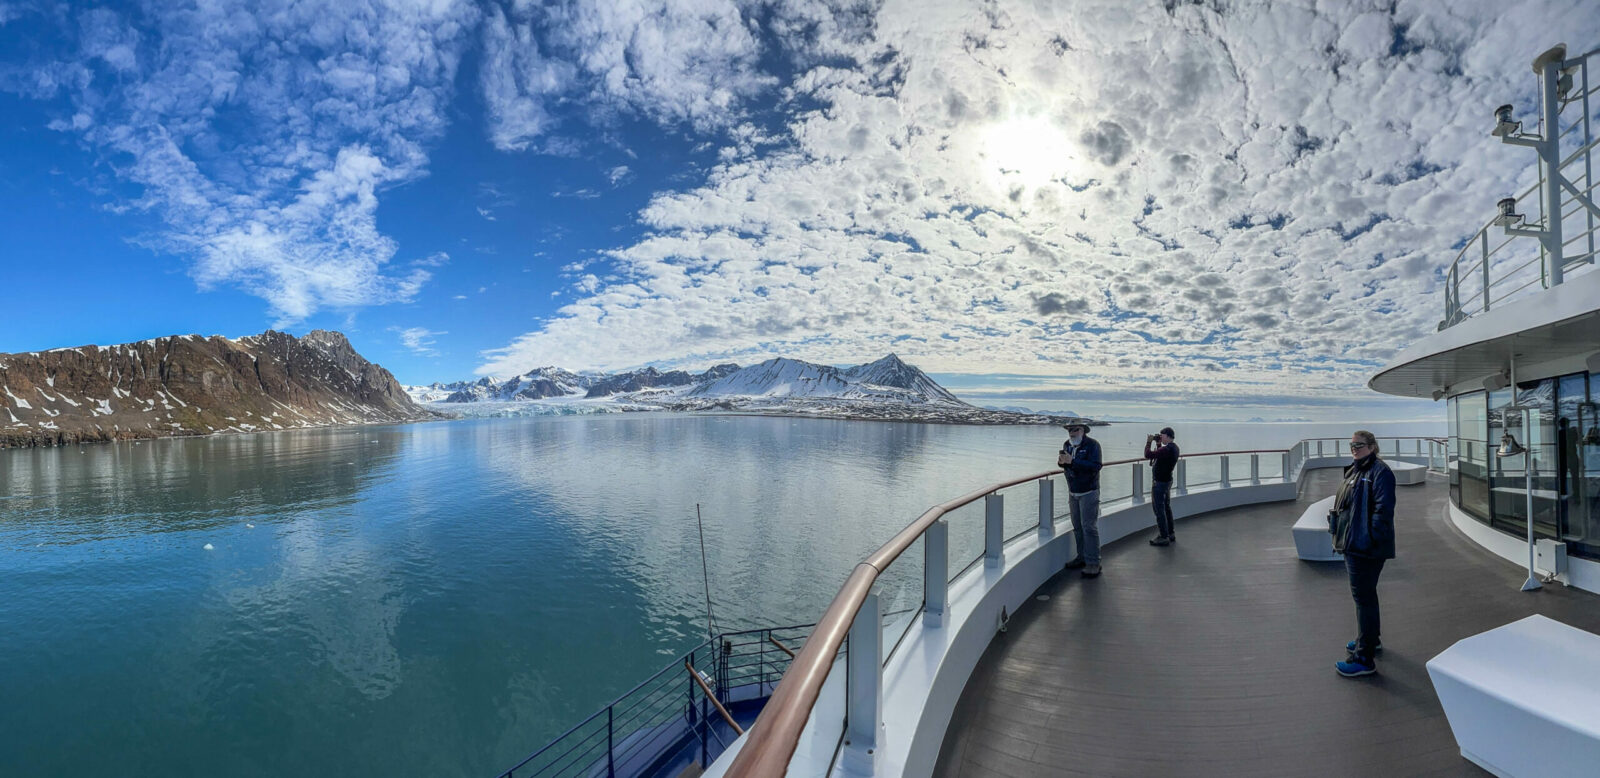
<point x="1504" y="124"/>
<point x="1508" y="213"/>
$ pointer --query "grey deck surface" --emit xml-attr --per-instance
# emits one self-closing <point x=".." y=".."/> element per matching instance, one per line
<point x="1215" y="656"/>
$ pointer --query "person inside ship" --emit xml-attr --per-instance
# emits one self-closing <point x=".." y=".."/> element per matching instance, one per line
<point x="1162" y="452"/>
<point x="1362" y="523"/>
<point x="1080" y="462"/>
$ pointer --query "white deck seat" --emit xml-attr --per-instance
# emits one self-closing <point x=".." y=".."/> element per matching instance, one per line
<point x="1524" y="699"/>
<point x="1312" y="541"/>
<point x="1406" y="473"/>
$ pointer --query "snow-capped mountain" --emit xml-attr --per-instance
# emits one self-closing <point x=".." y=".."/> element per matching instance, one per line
<point x="893" y="373"/>
<point x="537" y="384"/>
<point x="887" y="380"/>
<point x="888" y="390"/>
<point x="779" y="377"/>
<point x="651" y="378"/>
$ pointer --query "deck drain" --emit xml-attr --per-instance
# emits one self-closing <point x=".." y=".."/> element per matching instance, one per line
<point x="1042" y="597"/>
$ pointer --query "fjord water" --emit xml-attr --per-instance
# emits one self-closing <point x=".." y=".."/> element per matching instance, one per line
<point x="441" y="598"/>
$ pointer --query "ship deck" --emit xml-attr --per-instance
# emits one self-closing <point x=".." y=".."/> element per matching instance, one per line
<point x="1215" y="655"/>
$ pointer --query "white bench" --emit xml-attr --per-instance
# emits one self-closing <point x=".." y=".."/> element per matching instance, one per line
<point x="1312" y="541"/>
<point x="1407" y="474"/>
<point x="1524" y="699"/>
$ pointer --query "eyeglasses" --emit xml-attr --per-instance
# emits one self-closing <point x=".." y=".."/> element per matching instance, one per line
<point x="1357" y="446"/>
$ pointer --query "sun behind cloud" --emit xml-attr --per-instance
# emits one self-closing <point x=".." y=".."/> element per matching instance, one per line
<point x="1028" y="151"/>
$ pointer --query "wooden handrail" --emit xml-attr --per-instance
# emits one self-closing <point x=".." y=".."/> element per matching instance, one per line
<point x="782" y="647"/>
<point x="776" y="732"/>
<point x="689" y="665"/>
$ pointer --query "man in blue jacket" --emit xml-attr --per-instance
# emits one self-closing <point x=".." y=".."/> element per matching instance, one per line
<point x="1080" y="462"/>
<point x="1363" y="530"/>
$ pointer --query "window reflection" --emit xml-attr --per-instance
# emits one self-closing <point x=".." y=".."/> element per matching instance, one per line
<point x="1563" y="450"/>
<point x="1472" y="418"/>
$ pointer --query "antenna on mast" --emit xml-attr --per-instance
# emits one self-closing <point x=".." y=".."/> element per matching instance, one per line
<point x="705" y="572"/>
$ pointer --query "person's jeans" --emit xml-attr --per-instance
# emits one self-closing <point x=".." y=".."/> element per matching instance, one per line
<point x="1364" y="588"/>
<point x="1086" y="524"/>
<point x="1161" y="501"/>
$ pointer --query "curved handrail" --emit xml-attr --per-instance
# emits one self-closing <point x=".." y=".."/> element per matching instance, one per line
<point x="771" y="741"/>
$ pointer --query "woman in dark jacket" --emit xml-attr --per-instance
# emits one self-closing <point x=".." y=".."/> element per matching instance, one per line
<point x="1363" y="530"/>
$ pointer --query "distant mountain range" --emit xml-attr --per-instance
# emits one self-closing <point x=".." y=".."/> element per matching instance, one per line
<point x="189" y="385"/>
<point x="888" y="389"/>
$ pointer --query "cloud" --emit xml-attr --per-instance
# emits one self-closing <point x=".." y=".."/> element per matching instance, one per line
<point x="1267" y="190"/>
<point x="419" y="339"/>
<point x="618" y="174"/>
<point x="688" y="62"/>
<point x="263" y="139"/>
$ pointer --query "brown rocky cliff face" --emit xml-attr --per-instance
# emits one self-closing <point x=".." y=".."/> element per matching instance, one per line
<point x="187" y="385"/>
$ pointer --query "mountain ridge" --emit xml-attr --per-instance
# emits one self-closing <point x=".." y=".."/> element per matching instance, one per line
<point x="183" y="385"/>
<point x="887" y="389"/>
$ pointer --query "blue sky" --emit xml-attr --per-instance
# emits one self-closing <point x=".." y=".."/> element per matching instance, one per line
<point x="1114" y="207"/>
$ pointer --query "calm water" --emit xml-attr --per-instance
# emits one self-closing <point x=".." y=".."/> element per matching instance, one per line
<point x="439" y="599"/>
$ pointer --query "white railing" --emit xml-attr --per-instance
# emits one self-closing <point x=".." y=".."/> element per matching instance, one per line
<point x="969" y="534"/>
<point x="1491" y="269"/>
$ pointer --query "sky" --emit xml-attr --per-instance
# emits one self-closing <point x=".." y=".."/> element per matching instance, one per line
<point x="1210" y="209"/>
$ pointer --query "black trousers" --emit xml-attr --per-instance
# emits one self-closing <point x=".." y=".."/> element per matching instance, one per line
<point x="1161" y="502"/>
<point x="1364" y="573"/>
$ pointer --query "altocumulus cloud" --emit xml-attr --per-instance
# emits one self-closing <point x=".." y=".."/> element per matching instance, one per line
<point x="1094" y="188"/>
<point x="1257" y="197"/>
<point x="262" y="135"/>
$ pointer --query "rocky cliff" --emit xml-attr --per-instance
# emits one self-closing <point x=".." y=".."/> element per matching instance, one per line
<point x="189" y="385"/>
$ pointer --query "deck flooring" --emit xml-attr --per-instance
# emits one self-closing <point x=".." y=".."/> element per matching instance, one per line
<point x="1215" y="656"/>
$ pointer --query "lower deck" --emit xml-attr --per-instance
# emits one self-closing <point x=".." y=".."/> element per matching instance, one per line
<point x="1215" y="655"/>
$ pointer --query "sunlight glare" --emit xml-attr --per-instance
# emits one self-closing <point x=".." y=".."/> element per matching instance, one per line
<point x="1030" y="151"/>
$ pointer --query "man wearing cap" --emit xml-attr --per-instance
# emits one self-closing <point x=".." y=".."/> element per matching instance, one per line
<point x="1163" y="459"/>
<point x="1080" y="462"/>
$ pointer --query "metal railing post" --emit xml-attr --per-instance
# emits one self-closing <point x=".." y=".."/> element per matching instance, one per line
<point x="935" y="573"/>
<point x="1138" y="482"/>
<point x="994" y="530"/>
<point x="1223" y="483"/>
<point x="864" y="685"/>
<point x="1319" y="447"/>
<point x="1183" y="476"/>
<point x="1255" y="469"/>
<point x="1047" y="508"/>
<point x="1485" y="245"/>
<point x="611" y="749"/>
<point x="697" y="719"/>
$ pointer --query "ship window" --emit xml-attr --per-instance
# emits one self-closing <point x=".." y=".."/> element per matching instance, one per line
<point x="1452" y="447"/>
<point x="1473" y="455"/>
<point x="1578" y="464"/>
<point x="1508" y="478"/>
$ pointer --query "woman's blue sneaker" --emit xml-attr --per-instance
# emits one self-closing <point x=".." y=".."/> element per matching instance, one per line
<point x="1354" y="666"/>
<point x="1351" y="647"/>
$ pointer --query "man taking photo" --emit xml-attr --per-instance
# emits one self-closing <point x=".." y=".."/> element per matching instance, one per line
<point x="1163" y="455"/>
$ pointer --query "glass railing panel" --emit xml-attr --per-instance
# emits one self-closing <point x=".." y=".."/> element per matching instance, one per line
<point x="1022" y="508"/>
<point x="966" y="536"/>
<point x="1239" y="469"/>
<point x="1203" y="470"/>
<point x="1116" y="483"/>
<point x="1271" y="467"/>
<point x="899" y="591"/>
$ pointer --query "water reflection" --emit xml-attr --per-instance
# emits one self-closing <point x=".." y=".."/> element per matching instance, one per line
<point x="435" y="598"/>
<point x="98" y="492"/>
